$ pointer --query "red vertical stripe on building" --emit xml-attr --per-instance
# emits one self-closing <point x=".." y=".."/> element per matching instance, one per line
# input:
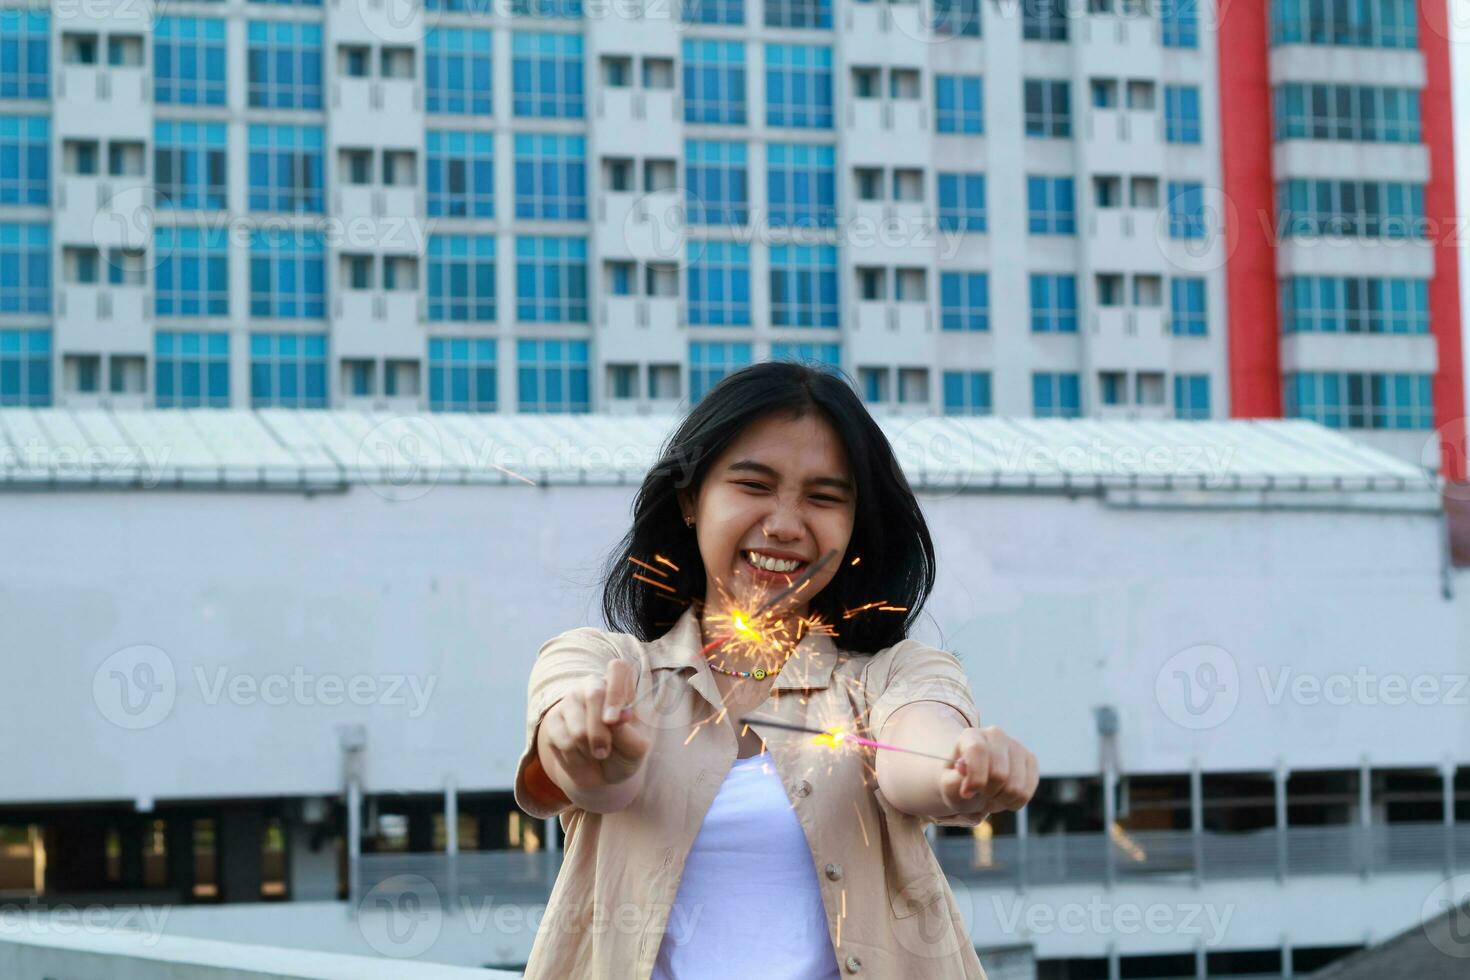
<point x="1435" y="105"/>
<point x="1250" y="270"/>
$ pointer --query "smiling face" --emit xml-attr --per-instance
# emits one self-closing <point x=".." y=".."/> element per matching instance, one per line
<point x="781" y="489"/>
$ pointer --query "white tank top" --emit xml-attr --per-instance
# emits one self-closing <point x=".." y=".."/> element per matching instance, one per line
<point x="749" y="859"/>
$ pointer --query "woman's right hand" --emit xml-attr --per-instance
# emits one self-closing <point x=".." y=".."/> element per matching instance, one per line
<point x="593" y="738"/>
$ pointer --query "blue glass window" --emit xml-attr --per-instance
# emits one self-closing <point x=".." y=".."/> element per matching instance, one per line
<point x="286" y="169"/>
<point x="461" y="174"/>
<point x="1368" y="400"/>
<point x="1370" y="208"/>
<point x="710" y="361"/>
<point x="192" y="271"/>
<point x="1044" y="20"/>
<point x="189" y="165"/>
<point x="462" y="277"/>
<point x="719" y="284"/>
<point x="714" y="82"/>
<point x="1053" y="303"/>
<point x="964" y="301"/>
<point x="1186" y="209"/>
<point x="25" y="160"/>
<point x="189" y="61"/>
<point x="812" y="354"/>
<point x="25" y="368"/>
<point x="961" y="202"/>
<point x="191" y="369"/>
<point x="1191" y="396"/>
<point x="967" y="393"/>
<point x="285" y="62"/>
<point x="956" y="18"/>
<point x="801" y="185"/>
<point x="25" y="54"/>
<point x="1048" y="107"/>
<point x="457" y="73"/>
<point x="288" y="370"/>
<point x="1359" y="24"/>
<point x="804" y="286"/>
<point x="1051" y="206"/>
<point x="551" y="279"/>
<point x="1055" y="394"/>
<point x="552" y="376"/>
<point x="287" y="273"/>
<point x="25" y="268"/>
<point x="1181" y="113"/>
<point x="798" y="13"/>
<point x="1360" y="113"/>
<point x="546" y="75"/>
<point x="571" y="9"/>
<point x="799" y="86"/>
<point x="1179" y="23"/>
<point x="959" y="105"/>
<point x="731" y="12"/>
<point x="716" y="185"/>
<point x="1351" y="304"/>
<point x="462" y="374"/>
<point x="551" y="177"/>
<point x="1187" y="307"/>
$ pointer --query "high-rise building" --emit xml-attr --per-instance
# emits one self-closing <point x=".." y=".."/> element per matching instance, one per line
<point x="1035" y="208"/>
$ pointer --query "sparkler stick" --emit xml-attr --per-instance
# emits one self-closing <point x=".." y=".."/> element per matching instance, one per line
<point x="836" y="736"/>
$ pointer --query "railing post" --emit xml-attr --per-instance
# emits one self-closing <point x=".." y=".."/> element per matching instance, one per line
<point x="451" y="840"/>
<point x="1023" y="834"/>
<point x="553" y="847"/>
<point x="1280" y="783"/>
<point x="354" y="846"/>
<point x="1110" y="816"/>
<point x="1287" y="971"/>
<point x="1365" y="818"/>
<point x="1197" y="819"/>
<point x="1447" y="777"/>
<point x="1201" y="962"/>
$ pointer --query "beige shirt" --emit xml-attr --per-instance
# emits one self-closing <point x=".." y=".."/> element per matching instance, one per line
<point x="890" y="911"/>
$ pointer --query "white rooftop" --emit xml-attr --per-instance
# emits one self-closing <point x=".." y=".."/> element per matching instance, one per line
<point x="314" y="449"/>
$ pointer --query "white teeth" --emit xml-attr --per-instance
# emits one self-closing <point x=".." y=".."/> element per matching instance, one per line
<point x="771" y="564"/>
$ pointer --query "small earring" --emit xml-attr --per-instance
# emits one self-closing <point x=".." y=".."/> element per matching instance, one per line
<point x="688" y="521"/>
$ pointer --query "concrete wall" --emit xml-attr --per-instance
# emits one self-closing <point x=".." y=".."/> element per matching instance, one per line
<point x="154" y="639"/>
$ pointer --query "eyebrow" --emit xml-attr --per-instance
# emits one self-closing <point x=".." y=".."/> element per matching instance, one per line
<point x="751" y="466"/>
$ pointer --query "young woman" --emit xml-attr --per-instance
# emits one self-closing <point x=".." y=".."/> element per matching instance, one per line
<point x="699" y="847"/>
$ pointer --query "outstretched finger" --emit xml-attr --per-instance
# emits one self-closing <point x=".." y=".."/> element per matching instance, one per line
<point x="620" y="686"/>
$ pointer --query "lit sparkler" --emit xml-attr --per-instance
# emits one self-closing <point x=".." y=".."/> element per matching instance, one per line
<point x="834" y="738"/>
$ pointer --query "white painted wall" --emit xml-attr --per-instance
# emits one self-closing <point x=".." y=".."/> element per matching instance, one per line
<point x="1055" y="605"/>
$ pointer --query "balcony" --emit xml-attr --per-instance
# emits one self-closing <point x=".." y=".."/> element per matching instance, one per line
<point x="891" y="132"/>
<point x="1130" y="338"/>
<point x="1017" y="861"/>
<point x="638" y="122"/>
<point x="359" y="106"/>
<point x="880" y="33"/>
<point x="103" y="101"/>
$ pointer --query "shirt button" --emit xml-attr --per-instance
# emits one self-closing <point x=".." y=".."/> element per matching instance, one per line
<point x="834" y="871"/>
<point x="803" y="788"/>
<point x="854" y="964"/>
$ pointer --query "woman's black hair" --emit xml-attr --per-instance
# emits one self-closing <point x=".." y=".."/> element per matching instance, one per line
<point x="889" y="533"/>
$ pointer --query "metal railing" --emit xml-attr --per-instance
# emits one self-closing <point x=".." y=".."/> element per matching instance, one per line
<point x="1009" y="861"/>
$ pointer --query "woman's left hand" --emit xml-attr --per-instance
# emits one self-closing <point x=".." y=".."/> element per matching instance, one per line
<point x="991" y="772"/>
